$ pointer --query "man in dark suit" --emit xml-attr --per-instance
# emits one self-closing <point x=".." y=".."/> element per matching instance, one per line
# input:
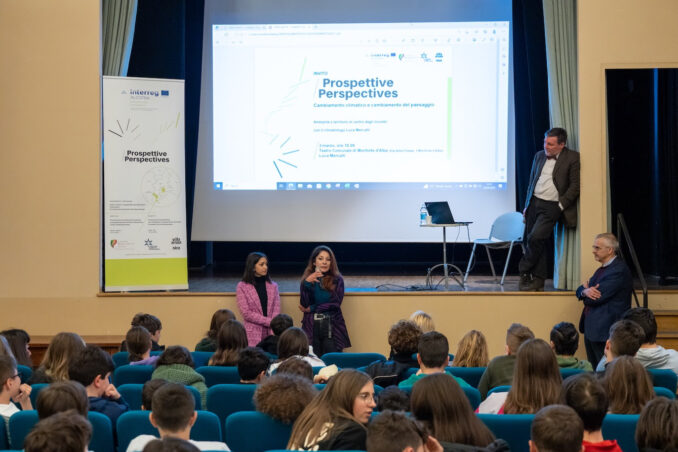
<point x="551" y="197"/>
<point x="606" y="296"/>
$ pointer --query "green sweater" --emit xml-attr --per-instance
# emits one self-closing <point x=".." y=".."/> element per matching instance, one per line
<point x="183" y="374"/>
<point x="570" y="362"/>
<point x="408" y="383"/>
<point x="498" y="373"/>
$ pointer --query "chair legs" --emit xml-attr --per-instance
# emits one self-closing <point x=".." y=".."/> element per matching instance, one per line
<point x="470" y="260"/>
<point x="508" y="258"/>
<point x="489" y="258"/>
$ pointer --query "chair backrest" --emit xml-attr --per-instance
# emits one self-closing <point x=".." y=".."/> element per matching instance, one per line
<point x="621" y="427"/>
<point x="24" y="372"/>
<point x="473" y="396"/>
<point x="568" y="372"/>
<point x="131" y="374"/>
<point x="122" y="358"/>
<point x="35" y="390"/>
<point x="19" y="425"/>
<point x="4" y="440"/>
<point x="131" y="392"/>
<point x="201" y="358"/>
<point x="226" y="399"/>
<point x="666" y="378"/>
<point x="502" y="388"/>
<point x="243" y="432"/>
<point x="664" y="392"/>
<point x="508" y="227"/>
<point x="513" y="428"/>
<point x="102" y="432"/>
<point x="470" y="374"/>
<point x="351" y="360"/>
<point x="216" y="375"/>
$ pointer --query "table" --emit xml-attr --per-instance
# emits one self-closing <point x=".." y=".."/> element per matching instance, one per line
<point x="445" y="265"/>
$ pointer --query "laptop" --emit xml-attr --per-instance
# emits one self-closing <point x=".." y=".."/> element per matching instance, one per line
<point x="441" y="214"/>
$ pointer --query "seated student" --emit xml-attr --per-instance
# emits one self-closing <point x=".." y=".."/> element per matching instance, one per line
<point x="628" y="385"/>
<point x="336" y="419"/>
<point x="209" y="342"/>
<point x="62" y="432"/>
<point x="231" y="339"/>
<point x="295" y="366"/>
<point x="170" y="445"/>
<point x="252" y="365"/>
<point x="393" y="398"/>
<point x="585" y="394"/>
<point x="557" y="428"/>
<point x="499" y="371"/>
<point x="564" y="341"/>
<point x="139" y="344"/>
<point x="433" y="358"/>
<point x="147" y="392"/>
<point x="657" y="427"/>
<point x="153" y="325"/>
<point x="403" y="337"/>
<point x="173" y="414"/>
<point x="471" y="351"/>
<point x="536" y="382"/>
<point x="625" y="339"/>
<point x="279" y="324"/>
<point x="650" y="355"/>
<point x="176" y="365"/>
<point x="61" y="350"/>
<point x="92" y="368"/>
<point x="395" y="432"/>
<point x="62" y="396"/>
<point x="423" y="321"/>
<point x="294" y="342"/>
<point x="12" y="390"/>
<point x="284" y="396"/>
<point x="18" y="341"/>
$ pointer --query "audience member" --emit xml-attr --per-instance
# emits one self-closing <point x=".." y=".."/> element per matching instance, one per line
<point x="139" y="344"/>
<point x="294" y="342"/>
<point x="403" y="337"/>
<point x="625" y="339"/>
<point x="252" y="365"/>
<point x="393" y="398"/>
<point x="209" y="342"/>
<point x="471" y="350"/>
<point x="337" y="417"/>
<point x="279" y="324"/>
<point x="557" y="428"/>
<point x="284" y="396"/>
<point x="61" y="350"/>
<point x="173" y="414"/>
<point x="18" y="341"/>
<point x="628" y="385"/>
<point x="585" y="394"/>
<point x="92" y="368"/>
<point x="395" y="432"/>
<point x="153" y="325"/>
<point x="62" y="396"/>
<point x="12" y="390"/>
<point x="61" y="432"/>
<point x="433" y="358"/>
<point x="423" y="321"/>
<point x="439" y="402"/>
<point x="231" y="339"/>
<point x="176" y="365"/>
<point x="499" y="371"/>
<point x="295" y="366"/>
<point x="148" y="390"/>
<point x="565" y="341"/>
<point x="170" y="445"/>
<point x="657" y="428"/>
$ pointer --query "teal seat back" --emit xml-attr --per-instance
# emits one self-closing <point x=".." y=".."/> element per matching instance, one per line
<point x="243" y="432"/>
<point x="513" y="428"/>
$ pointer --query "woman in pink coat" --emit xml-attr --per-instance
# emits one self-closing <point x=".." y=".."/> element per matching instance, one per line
<point x="258" y="298"/>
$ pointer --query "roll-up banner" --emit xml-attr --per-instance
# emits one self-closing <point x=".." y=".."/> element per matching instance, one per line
<point x="144" y="185"/>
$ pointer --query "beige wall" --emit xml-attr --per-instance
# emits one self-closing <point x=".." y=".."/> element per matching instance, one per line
<point x="50" y="184"/>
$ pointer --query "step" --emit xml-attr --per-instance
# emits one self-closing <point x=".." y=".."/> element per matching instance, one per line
<point x="666" y="320"/>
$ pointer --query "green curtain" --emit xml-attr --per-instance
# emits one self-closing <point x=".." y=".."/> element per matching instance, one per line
<point x="118" y="31"/>
<point x="560" y="24"/>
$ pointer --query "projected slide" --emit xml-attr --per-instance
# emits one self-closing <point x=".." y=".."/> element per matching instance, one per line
<point x="360" y="106"/>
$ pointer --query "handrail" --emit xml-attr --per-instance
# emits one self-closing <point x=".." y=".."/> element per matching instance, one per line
<point x="622" y="229"/>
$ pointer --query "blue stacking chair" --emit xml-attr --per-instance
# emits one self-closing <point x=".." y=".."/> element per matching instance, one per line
<point x="134" y="423"/>
<point x="102" y="432"/>
<point x="568" y="372"/>
<point x="215" y="375"/>
<point x="666" y="378"/>
<point x="663" y="392"/>
<point x="351" y="360"/>
<point x="513" y="428"/>
<point x="24" y="372"/>
<point x="201" y="358"/>
<point x="227" y="399"/>
<point x="35" y="390"/>
<point x="122" y="358"/>
<point x="470" y="375"/>
<point x="243" y="432"/>
<point x="621" y="427"/>
<point x="131" y="374"/>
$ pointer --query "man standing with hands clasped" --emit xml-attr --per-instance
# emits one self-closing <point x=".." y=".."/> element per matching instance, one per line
<point x="606" y="296"/>
<point x="551" y="198"/>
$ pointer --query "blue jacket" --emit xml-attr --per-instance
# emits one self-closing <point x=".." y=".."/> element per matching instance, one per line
<point x="111" y="408"/>
<point x="615" y="286"/>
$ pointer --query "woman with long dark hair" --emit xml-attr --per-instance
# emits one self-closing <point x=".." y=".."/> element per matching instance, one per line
<point x="258" y="298"/>
<point x="322" y="291"/>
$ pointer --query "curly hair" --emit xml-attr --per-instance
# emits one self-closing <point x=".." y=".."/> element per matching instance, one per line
<point x="403" y="337"/>
<point x="284" y="396"/>
<point x="472" y="350"/>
